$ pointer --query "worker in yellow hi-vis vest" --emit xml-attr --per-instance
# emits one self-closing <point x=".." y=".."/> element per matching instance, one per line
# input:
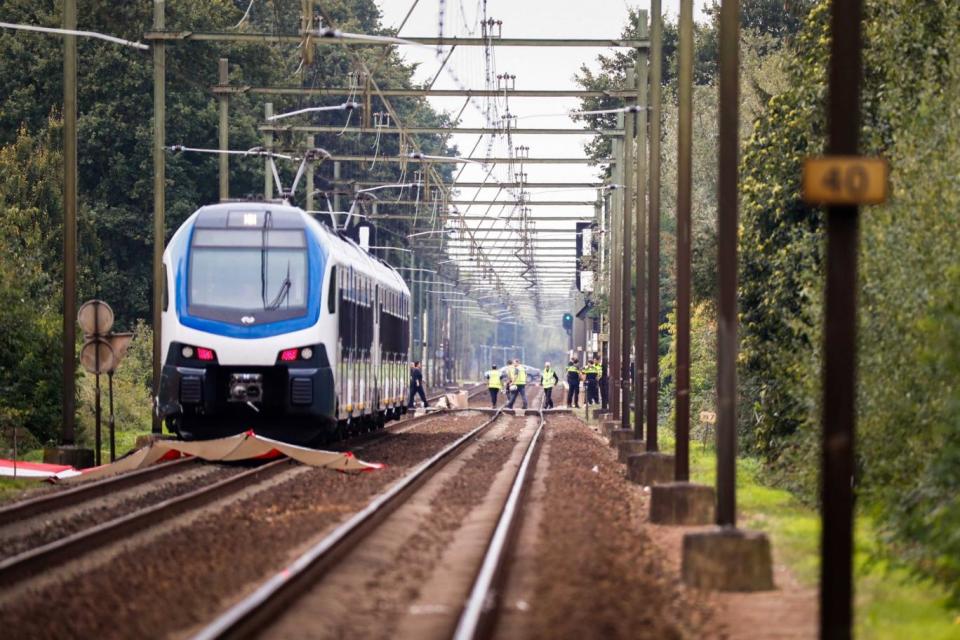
<point x="549" y="380"/>
<point x="494" y="384"/>
<point x="592" y="374"/>
<point x="518" y="382"/>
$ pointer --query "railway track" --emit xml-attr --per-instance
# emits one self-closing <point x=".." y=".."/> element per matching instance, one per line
<point x="264" y="605"/>
<point x="44" y="556"/>
<point x="479" y="614"/>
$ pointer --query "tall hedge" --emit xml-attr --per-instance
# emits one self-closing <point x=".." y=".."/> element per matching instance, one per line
<point x="908" y="443"/>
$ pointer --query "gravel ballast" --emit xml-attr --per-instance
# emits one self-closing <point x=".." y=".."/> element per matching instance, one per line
<point x="596" y="573"/>
<point x="186" y="576"/>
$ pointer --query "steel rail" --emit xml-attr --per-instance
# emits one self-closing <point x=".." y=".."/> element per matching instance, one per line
<point x="73" y="496"/>
<point x="55" y="553"/>
<point x="478" y="614"/>
<point x="254" y="612"/>
<point x="64" y="549"/>
<point x="77" y="495"/>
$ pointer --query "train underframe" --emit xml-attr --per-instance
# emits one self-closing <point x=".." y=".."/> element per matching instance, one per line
<point x="295" y="402"/>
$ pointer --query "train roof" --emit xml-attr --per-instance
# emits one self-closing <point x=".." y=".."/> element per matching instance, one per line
<point x="345" y="251"/>
<point x="339" y="249"/>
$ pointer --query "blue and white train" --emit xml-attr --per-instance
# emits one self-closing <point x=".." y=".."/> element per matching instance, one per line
<point x="275" y="322"/>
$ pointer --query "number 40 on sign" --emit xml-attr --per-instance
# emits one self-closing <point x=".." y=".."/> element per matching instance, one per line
<point x="845" y="180"/>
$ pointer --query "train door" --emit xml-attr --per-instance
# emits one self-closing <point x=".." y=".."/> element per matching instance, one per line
<point x="376" y="360"/>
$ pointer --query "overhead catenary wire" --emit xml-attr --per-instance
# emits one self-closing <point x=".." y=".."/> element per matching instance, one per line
<point x="73" y="32"/>
<point x="479" y="256"/>
<point x="346" y="106"/>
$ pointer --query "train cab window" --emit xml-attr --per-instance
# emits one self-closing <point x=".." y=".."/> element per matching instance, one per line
<point x="235" y="272"/>
<point x="332" y="292"/>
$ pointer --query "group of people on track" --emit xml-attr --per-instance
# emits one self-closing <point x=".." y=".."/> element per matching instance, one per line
<point x="514" y="375"/>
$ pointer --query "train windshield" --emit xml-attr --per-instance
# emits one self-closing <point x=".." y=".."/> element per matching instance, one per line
<point x="260" y="273"/>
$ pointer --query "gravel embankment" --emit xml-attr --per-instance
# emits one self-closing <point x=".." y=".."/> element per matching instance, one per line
<point x="597" y="574"/>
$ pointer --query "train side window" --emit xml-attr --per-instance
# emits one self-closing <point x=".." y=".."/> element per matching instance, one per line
<point x="165" y="294"/>
<point x="332" y="293"/>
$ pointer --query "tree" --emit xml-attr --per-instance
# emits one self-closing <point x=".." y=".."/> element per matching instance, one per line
<point x="30" y="374"/>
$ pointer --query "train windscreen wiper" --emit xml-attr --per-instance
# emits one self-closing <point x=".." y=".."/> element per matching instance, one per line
<point x="264" y="231"/>
<point x="283" y="294"/>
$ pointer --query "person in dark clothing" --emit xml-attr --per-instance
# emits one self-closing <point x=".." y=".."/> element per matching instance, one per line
<point x="592" y="373"/>
<point x="573" y="384"/>
<point x="416" y="385"/>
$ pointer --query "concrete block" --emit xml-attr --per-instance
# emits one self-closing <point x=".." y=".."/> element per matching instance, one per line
<point x="606" y="426"/>
<point x="682" y="503"/>
<point x="458" y="400"/>
<point x="629" y="447"/>
<point x="76" y="457"/>
<point x="727" y="559"/>
<point x="650" y="468"/>
<point x="619" y="435"/>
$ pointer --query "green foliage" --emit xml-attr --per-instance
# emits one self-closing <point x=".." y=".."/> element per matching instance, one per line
<point x="890" y="605"/>
<point x="131" y="395"/>
<point x="703" y="362"/>
<point x="115" y="100"/>
<point x="29" y="288"/>
<point x="780" y="254"/>
<point x="908" y="449"/>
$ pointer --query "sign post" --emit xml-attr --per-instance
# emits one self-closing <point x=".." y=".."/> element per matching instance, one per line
<point x="102" y="352"/>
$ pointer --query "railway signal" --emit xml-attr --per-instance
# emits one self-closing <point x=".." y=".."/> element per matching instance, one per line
<point x="101" y="353"/>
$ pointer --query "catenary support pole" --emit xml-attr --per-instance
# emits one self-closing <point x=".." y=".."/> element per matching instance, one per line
<point x="616" y="230"/>
<point x="268" y="145"/>
<point x="224" y="128"/>
<point x="69" y="222"/>
<point x="639" y="230"/>
<point x="312" y="141"/>
<point x="840" y="336"/>
<point x="159" y="193"/>
<point x="653" y="233"/>
<point x="727" y="263"/>
<point x="336" y="194"/>
<point x="626" y="279"/>
<point x="684" y="184"/>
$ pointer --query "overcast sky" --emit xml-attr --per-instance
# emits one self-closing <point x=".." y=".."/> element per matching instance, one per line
<point x="534" y="68"/>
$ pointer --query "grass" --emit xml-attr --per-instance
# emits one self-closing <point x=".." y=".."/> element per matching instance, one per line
<point x="890" y="604"/>
<point x="125" y="441"/>
<point x="11" y="488"/>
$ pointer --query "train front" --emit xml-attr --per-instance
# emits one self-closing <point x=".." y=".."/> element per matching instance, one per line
<point x="243" y="326"/>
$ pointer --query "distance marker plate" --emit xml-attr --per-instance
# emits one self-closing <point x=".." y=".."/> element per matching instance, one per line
<point x="845" y="180"/>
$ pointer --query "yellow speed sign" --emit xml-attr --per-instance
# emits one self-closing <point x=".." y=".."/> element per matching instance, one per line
<point x="850" y="180"/>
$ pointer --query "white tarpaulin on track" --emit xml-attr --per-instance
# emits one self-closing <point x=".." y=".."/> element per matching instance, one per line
<point x="243" y="446"/>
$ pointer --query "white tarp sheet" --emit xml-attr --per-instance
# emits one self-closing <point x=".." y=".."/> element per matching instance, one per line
<point x="243" y="446"/>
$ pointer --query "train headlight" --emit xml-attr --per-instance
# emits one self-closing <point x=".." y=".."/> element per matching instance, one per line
<point x="306" y="353"/>
<point x="186" y="352"/>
